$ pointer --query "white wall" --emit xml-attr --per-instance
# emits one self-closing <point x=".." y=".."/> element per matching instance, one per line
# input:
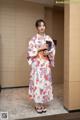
<point x="17" y="18"/>
<point x="55" y="28"/>
<point x="17" y="27"/>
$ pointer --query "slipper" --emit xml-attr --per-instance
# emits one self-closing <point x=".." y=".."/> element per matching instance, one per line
<point x="38" y="109"/>
<point x="44" y="110"/>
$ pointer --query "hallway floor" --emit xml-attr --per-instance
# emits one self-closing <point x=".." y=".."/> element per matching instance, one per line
<point x="15" y="102"/>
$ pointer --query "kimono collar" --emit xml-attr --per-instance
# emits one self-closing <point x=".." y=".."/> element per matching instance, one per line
<point x="41" y="35"/>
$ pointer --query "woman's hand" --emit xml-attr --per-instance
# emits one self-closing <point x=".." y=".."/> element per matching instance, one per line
<point x="46" y="52"/>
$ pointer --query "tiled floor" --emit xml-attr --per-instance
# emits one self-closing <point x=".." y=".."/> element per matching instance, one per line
<point x="16" y="103"/>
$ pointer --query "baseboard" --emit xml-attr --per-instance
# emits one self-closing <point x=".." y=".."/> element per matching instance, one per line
<point x="70" y="111"/>
<point x="0" y="88"/>
<point x="14" y="87"/>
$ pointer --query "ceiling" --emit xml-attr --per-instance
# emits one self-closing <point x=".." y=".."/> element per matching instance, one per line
<point x="49" y="3"/>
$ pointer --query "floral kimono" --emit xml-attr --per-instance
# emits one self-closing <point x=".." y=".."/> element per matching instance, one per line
<point x="40" y="85"/>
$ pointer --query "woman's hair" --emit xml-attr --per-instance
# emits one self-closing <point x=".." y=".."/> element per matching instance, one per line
<point x="38" y="22"/>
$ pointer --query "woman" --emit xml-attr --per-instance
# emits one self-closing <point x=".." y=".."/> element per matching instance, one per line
<point x="41" y="58"/>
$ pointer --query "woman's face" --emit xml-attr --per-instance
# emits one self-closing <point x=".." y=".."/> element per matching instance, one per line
<point x="41" y="28"/>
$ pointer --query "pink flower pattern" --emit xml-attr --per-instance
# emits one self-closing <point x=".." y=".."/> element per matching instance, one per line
<point x="40" y="84"/>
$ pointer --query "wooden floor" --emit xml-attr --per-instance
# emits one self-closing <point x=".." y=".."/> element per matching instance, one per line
<point x="66" y="116"/>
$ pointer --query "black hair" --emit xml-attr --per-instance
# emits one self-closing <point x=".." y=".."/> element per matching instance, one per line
<point x="37" y="24"/>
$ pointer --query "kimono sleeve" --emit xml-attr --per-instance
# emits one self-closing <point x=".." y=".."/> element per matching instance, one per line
<point x="52" y="53"/>
<point x="32" y="51"/>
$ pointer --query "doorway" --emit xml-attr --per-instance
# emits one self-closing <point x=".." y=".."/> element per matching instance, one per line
<point x="17" y="18"/>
